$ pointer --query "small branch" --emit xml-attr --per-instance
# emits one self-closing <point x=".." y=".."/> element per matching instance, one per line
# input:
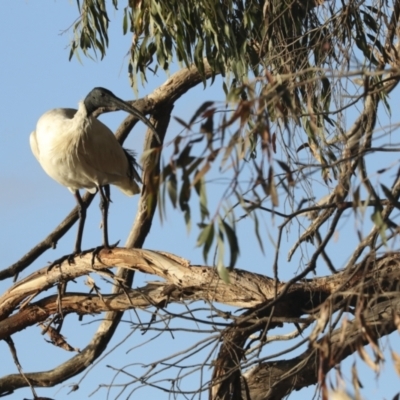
<point x="13" y="351"/>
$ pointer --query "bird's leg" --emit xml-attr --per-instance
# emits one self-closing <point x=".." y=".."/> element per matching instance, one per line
<point x="82" y="218"/>
<point x="77" y="250"/>
<point x="104" y="203"/>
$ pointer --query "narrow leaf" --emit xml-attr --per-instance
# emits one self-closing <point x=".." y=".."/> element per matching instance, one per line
<point x="182" y="122"/>
<point x="390" y="197"/>
<point x="200" y="110"/>
<point x="205" y="239"/>
<point x="172" y="189"/>
<point x="233" y="243"/>
<point x="125" y="21"/>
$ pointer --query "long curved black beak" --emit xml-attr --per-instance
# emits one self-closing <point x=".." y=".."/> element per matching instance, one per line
<point x="101" y="97"/>
<point x="114" y="101"/>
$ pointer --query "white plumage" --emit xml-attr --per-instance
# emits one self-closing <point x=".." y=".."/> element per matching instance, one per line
<point x="80" y="152"/>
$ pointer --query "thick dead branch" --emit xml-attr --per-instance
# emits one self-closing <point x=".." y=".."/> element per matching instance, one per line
<point x="375" y="277"/>
<point x="277" y="379"/>
<point x="247" y="289"/>
<point x="183" y="282"/>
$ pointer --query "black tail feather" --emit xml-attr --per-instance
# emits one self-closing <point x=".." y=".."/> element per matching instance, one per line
<point x="133" y="165"/>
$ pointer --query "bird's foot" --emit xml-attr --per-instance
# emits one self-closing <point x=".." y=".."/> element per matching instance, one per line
<point x="96" y="251"/>
<point x="69" y="257"/>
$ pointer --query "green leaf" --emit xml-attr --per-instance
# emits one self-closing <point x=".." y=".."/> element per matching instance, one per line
<point x="198" y="56"/>
<point x="233" y="141"/>
<point x="223" y="273"/>
<point x="233" y="243"/>
<point x="201" y="191"/>
<point x="272" y="188"/>
<point x="125" y="21"/>
<point x="205" y="239"/>
<point x="172" y="189"/>
<point x="188" y="220"/>
<point x="200" y="174"/>
<point x="257" y="232"/>
<point x="377" y="219"/>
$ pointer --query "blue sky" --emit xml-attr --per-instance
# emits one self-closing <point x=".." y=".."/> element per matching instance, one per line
<point x="37" y="76"/>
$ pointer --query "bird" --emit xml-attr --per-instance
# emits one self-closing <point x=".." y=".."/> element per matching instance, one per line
<point x="80" y="152"/>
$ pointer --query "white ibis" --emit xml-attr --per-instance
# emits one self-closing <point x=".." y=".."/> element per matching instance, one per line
<point x="80" y="152"/>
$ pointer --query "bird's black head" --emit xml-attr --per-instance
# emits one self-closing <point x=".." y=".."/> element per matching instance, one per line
<point x="98" y="97"/>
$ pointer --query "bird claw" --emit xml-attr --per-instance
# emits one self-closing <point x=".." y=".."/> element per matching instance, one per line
<point x="96" y="251"/>
<point x="69" y="257"/>
<point x="95" y="254"/>
<point x="114" y="245"/>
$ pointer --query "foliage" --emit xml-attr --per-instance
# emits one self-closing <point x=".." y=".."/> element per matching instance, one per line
<point x="235" y="37"/>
